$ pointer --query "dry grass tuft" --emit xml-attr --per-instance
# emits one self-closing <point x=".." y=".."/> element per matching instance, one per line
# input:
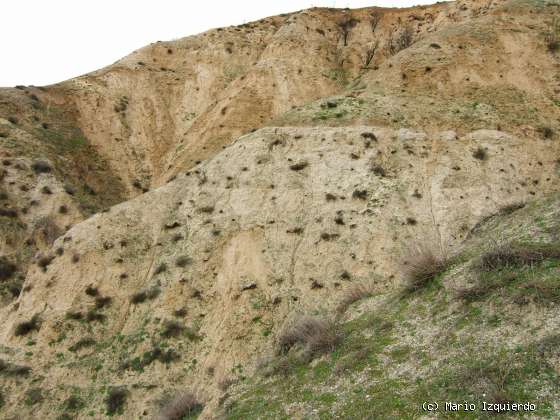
<point x="516" y="255"/>
<point x="315" y="336"/>
<point x="180" y="406"/>
<point x="421" y="267"/>
<point x="354" y="293"/>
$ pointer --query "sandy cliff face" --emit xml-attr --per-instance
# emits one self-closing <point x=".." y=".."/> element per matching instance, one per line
<point x="171" y="104"/>
<point x="266" y="167"/>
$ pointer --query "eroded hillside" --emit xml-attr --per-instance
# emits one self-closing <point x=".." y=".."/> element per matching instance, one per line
<point x="483" y="330"/>
<point x="208" y="267"/>
<point x="262" y="171"/>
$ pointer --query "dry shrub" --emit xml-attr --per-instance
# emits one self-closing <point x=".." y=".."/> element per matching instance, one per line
<point x="552" y="36"/>
<point x="25" y="327"/>
<point x="160" y="269"/>
<point x="516" y="255"/>
<point x="483" y="289"/>
<point x="401" y="40"/>
<point x="48" y="229"/>
<point x="8" y="213"/>
<point x="345" y="26"/>
<point x="41" y="167"/>
<point x="102" y="301"/>
<point x="379" y="170"/>
<point x="360" y="194"/>
<point x="299" y="166"/>
<point x="421" y="267"/>
<point x="7" y="269"/>
<point x="143" y="295"/>
<point x="82" y="343"/>
<point x="116" y="400"/>
<point x="480" y="153"/>
<point x="172" y="329"/>
<point x="315" y="336"/>
<point x="510" y="208"/>
<point x="278" y="365"/>
<point x="354" y="293"/>
<point x="325" y="236"/>
<point x="94" y="316"/>
<point x="546" y="132"/>
<point x="180" y="406"/>
<point x="44" y="261"/>
<point x="183" y="261"/>
<point x="9" y="369"/>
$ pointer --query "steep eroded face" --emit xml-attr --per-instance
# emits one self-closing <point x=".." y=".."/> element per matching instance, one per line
<point x="211" y="264"/>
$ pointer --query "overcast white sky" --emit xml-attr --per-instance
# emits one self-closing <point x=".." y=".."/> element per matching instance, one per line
<point x="47" y="41"/>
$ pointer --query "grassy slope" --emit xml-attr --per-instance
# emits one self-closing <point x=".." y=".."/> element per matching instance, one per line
<point x="401" y="349"/>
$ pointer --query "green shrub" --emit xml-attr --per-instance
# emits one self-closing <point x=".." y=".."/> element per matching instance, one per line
<point x="75" y="316"/>
<point x="156" y="353"/>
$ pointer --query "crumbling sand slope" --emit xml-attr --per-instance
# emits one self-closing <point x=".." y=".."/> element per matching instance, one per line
<point x="134" y="125"/>
<point x="170" y="104"/>
<point x="278" y="222"/>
